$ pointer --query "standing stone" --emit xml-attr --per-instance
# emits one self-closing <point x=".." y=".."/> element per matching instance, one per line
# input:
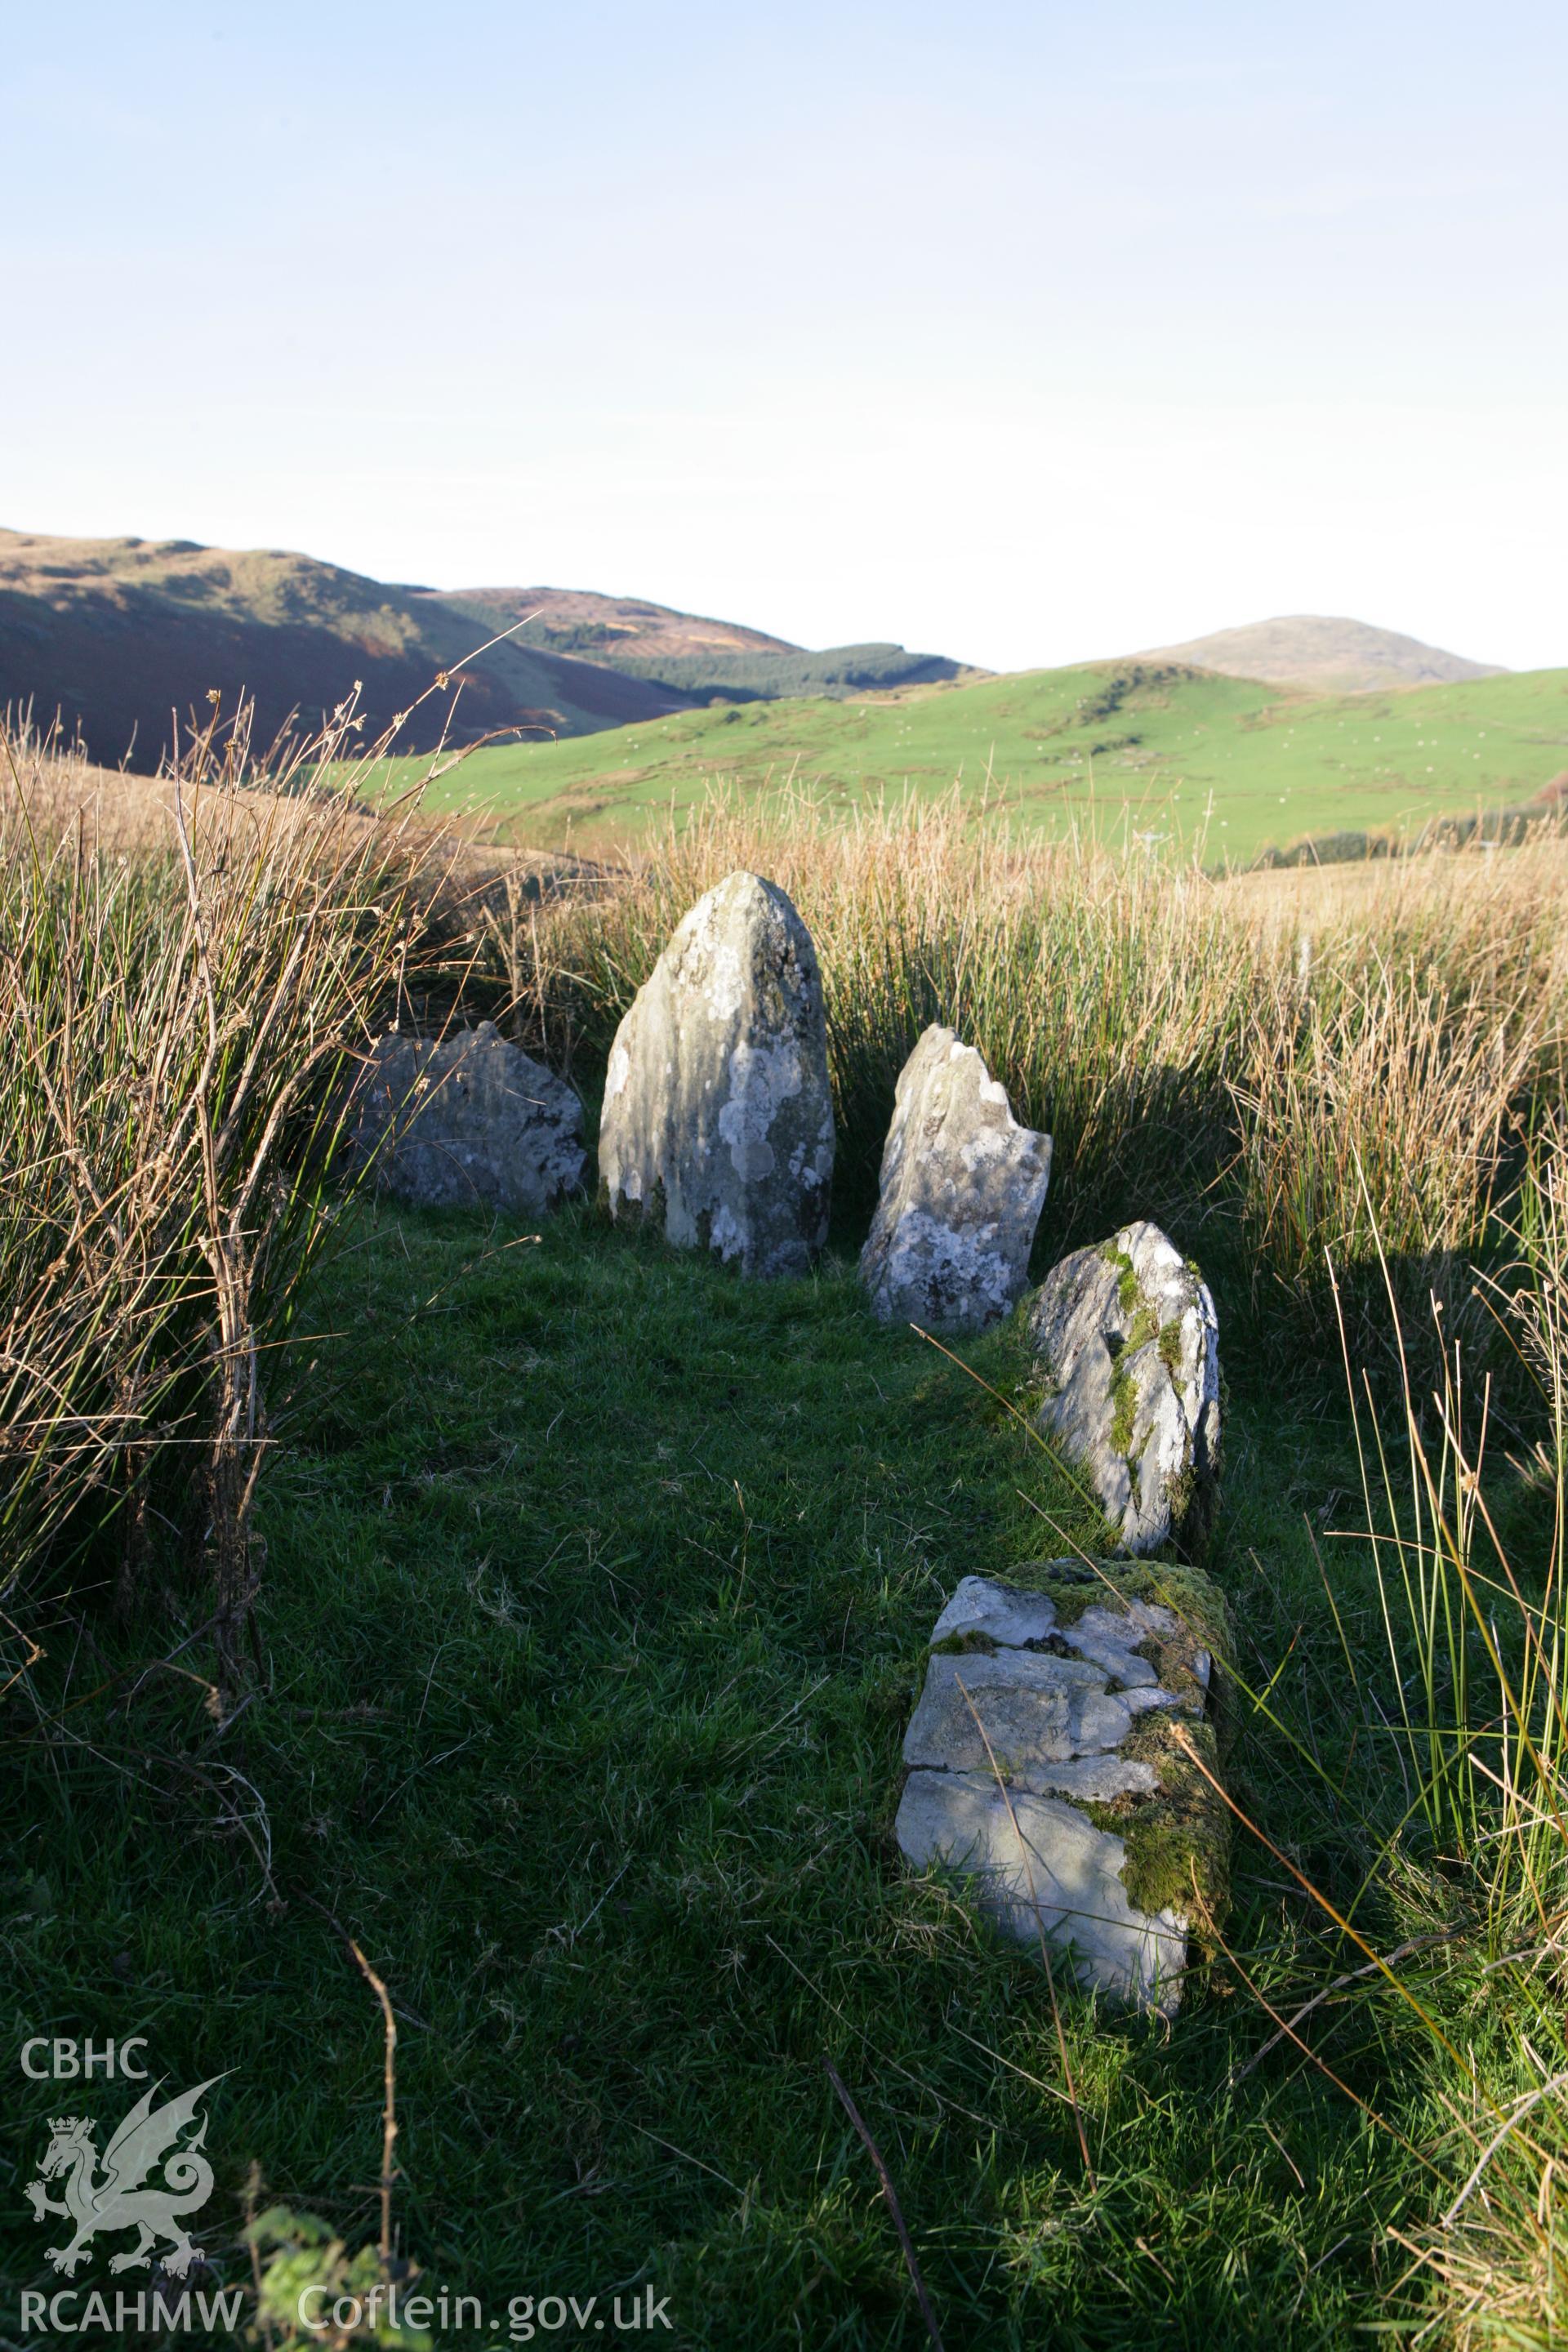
<point x="466" y="1121"/>
<point x="1126" y="1338"/>
<point x="1040" y="1702"/>
<point x="717" y="1119"/>
<point x="963" y="1187"/>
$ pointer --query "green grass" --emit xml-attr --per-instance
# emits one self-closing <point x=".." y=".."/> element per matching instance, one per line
<point x="595" y="1593"/>
<point x="1184" y="759"/>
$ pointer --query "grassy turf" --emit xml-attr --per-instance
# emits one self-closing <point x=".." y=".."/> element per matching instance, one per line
<point x="1183" y="758"/>
<point x="596" y="1589"/>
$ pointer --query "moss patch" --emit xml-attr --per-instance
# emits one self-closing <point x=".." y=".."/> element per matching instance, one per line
<point x="1124" y="1409"/>
<point x="1071" y="1583"/>
<point x="1178" y="1838"/>
<point x="1141" y="1330"/>
<point x="1127" y="1290"/>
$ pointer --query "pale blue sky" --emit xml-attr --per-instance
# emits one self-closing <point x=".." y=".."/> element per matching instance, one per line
<point x="1020" y="332"/>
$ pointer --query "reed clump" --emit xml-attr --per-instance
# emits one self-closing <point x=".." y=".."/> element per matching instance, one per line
<point x="1469" y="1558"/>
<point x="1364" y="1070"/>
<point x="181" y="1016"/>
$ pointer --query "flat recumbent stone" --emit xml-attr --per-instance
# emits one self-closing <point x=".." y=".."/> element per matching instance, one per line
<point x="1041" y="1869"/>
<point x="1039" y="1703"/>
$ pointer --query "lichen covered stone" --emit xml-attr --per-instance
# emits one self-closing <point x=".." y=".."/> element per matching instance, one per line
<point x="467" y="1120"/>
<point x="1126" y="1343"/>
<point x="1051" y="1766"/>
<point x="962" y="1189"/>
<point x="718" y="1117"/>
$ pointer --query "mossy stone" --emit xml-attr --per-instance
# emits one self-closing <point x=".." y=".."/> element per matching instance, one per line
<point x="1178" y="1837"/>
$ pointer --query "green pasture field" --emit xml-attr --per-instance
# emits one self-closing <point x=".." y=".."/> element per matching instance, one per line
<point x="1183" y="760"/>
<point x="595" y="1592"/>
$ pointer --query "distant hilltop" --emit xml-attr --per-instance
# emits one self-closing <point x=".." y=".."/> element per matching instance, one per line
<point x="1324" y="655"/>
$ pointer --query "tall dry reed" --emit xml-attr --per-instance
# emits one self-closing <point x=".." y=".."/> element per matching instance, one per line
<point x="179" y="1026"/>
<point x="1474" y="1617"/>
<point x="1315" y="1087"/>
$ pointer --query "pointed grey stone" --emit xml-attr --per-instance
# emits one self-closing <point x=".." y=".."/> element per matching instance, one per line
<point x="718" y="1117"/>
<point x="962" y="1189"/>
<point x="466" y="1121"/>
<point x="1128" y="1342"/>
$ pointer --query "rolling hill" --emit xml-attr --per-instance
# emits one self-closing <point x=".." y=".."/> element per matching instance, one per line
<point x="121" y="637"/>
<point x="697" y="658"/>
<point x="1185" y="760"/>
<point x="116" y="634"/>
<point x="1324" y="655"/>
<point x="616" y="708"/>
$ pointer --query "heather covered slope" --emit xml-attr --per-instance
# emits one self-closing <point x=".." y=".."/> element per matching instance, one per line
<point x="115" y="636"/>
<point x="608" y="628"/>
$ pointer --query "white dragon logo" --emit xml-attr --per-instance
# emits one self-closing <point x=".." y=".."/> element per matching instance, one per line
<point x="116" y="2199"/>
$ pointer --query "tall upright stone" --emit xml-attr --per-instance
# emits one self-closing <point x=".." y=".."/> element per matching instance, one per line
<point x="962" y="1191"/>
<point x="1126" y="1342"/>
<point x="718" y="1117"/>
